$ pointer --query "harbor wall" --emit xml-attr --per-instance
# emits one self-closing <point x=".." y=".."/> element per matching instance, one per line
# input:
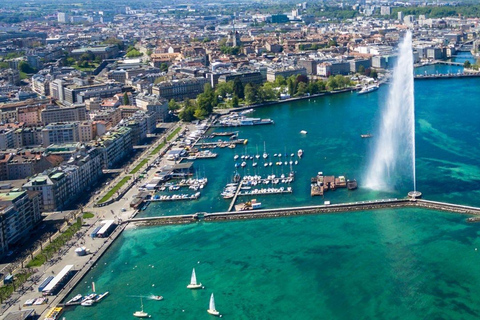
<point x="320" y="209"/>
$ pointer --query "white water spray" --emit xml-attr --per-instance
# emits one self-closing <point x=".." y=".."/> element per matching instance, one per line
<point x="393" y="158"/>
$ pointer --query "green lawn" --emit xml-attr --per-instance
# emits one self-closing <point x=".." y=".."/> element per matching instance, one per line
<point x="171" y="135"/>
<point x="139" y="166"/>
<point x="157" y="149"/>
<point x="54" y="246"/>
<point x="88" y="215"/>
<point x="114" y="189"/>
<point x="161" y="145"/>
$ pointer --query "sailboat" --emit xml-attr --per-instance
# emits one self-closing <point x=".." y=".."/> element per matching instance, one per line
<point x="193" y="281"/>
<point x="265" y="154"/>
<point x="141" y="314"/>
<point x="211" y="307"/>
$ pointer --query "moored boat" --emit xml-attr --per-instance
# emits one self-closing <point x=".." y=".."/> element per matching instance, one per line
<point x="77" y="298"/>
<point x="300" y="153"/>
<point x="368" y="89"/>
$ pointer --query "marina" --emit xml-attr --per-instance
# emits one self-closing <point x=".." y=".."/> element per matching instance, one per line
<point x="391" y="213"/>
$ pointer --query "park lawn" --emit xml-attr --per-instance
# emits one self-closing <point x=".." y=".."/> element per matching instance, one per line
<point x="139" y="166"/>
<point x="115" y="189"/>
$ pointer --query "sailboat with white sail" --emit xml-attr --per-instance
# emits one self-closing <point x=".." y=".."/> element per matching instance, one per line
<point x="141" y="313"/>
<point x="193" y="282"/>
<point x="211" y="307"/>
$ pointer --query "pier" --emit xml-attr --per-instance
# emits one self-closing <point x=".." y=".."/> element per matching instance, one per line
<point x="317" y="209"/>
<point x="221" y="144"/>
<point x="265" y="191"/>
<point x="447" y="76"/>
<point x="234" y="199"/>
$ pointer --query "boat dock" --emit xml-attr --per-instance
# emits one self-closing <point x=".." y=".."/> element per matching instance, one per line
<point x="234" y="199"/>
<point x="221" y="144"/>
<point x="321" y="183"/>
<point x="175" y="197"/>
<point x="265" y="191"/>
<point x="224" y="134"/>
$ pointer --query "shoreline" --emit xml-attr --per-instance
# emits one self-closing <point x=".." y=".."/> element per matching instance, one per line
<point x="270" y="103"/>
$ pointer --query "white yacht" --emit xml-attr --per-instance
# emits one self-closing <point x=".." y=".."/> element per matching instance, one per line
<point x="300" y="153"/>
<point x="87" y="303"/>
<point x="141" y="313"/>
<point x="193" y="281"/>
<point x="211" y="307"/>
<point x="369" y="88"/>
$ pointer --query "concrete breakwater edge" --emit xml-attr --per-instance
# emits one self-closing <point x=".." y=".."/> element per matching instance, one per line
<point x="320" y="209"/>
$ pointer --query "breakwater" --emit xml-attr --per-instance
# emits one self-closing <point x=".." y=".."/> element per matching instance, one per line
<point x="319" y="209"/>
<point x="447" y="76"/>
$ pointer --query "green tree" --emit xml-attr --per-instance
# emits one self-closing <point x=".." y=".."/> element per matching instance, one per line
<point x="467" y="64"/>
<point x="234" y="102"/>
<point x="374" y="74"/>
<point x="164" y="67"/>
<point x="280" y="81"/>
<point x="134" y="53"/>
<point x="266" y="92"/>
<point x="301" y="89"/>
<point x="361" y="69"/>
<point x="173" y="105"/>
<point x="292" y="85"/>
<point x="224" y="88"/>
<point x="332" y="83"/>
<point x="126" y="100"/>
<point x="238" y="88"/>
<point x="341" y="81"/>
<point x="23" y="66"/>
<point x="188" y="112"/>
<point x="115" y="41"/>
<point x="206" y="101"/>
<point x="250" y="94"/>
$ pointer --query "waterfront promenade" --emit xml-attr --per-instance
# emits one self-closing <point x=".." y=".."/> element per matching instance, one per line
<point x="117" y="210"/>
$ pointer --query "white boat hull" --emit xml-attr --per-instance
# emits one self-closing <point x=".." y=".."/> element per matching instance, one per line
<point x="213" y="312"/>
<point x="141" y="314"/>
<point x="194" y="286"/>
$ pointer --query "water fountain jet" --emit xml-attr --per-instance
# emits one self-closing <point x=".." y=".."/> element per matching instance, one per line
<point x="393" y="157"/>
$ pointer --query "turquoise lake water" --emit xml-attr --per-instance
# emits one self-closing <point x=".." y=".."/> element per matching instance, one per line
<point x="385" y="264"/>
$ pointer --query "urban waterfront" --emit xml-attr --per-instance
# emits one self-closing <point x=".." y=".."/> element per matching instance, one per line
<point x="314" y="266"/>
